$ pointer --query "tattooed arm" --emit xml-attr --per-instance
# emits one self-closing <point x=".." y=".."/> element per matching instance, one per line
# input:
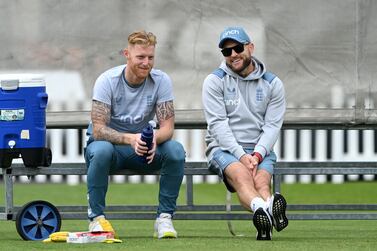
<point x="165" y="117"/>
<point x="101" y="131"/>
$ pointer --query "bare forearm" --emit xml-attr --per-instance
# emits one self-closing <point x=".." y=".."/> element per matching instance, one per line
<point x="101" y="131"/>
<point x="111" y="135"/>
<point x="163" y="135"/>
<point x="165" y="116"/>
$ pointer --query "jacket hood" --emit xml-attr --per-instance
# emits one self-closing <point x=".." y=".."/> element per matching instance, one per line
<point x="258" y="72"/>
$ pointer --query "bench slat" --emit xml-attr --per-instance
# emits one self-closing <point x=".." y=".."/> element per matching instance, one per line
<point x="200" y="168"/>
<point x="295" y="118"/>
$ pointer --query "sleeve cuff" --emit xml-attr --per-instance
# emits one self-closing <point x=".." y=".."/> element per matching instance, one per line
<point x="259" y="156"/>
<point x="261" y="150"/>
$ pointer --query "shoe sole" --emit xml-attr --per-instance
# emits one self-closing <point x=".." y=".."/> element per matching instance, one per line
<point x="279" y="207"/>
<point x="262" y="224"/>
<point x="166" y="235"/>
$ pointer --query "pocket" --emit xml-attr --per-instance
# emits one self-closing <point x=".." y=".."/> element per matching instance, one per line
<point x="214" y="167"/>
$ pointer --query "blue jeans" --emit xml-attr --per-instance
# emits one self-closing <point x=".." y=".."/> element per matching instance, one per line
<point x="103" y="158"/>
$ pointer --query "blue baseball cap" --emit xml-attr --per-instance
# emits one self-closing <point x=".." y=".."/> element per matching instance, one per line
<point x="234" y="33"/>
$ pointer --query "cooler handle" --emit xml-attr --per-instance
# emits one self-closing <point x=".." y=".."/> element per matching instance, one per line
<point x="9" y="85"/>
<point x="43" y="100"/>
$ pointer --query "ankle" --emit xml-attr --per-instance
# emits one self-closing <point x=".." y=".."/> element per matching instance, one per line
<point x="98" y="217"/>
<point x="256" y="203"/>
<point x="164" y="216"/>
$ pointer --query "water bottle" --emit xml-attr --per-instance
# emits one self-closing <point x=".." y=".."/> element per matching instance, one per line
<point x="147" y="137"/>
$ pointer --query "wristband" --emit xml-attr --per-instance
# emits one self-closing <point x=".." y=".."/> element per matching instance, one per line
<point x="258" y="155"/>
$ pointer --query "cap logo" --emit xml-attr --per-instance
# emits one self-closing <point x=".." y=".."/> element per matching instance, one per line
<point x="231" y="32"/>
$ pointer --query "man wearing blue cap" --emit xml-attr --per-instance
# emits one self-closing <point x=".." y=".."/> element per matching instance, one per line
<point x="244" y="106"/>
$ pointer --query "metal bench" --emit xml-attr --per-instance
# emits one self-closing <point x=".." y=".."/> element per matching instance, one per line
<point x="194" y="119"/>
<point x="193" y="211"/>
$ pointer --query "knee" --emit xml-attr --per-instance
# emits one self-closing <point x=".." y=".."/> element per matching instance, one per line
<point x="261" y="184"/>
<point x="174" y="151"/>
<point x="102" y="151"/>
<point x="240" y="180"/>
<point x="173" y="158"/>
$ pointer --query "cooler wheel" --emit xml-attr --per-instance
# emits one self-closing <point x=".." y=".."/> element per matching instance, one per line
<point x="36" y="220"/>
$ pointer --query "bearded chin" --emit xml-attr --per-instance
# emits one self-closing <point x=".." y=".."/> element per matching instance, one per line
<point x="246" y="63"/>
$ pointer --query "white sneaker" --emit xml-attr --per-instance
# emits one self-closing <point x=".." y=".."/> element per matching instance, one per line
<point x="99" y="224"/>
<point x="269" y="204"/>
<point x="163" y="227"/>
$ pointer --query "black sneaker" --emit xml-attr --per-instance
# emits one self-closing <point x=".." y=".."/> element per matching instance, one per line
<point x="279" y="206"/>
<point x="263" y="224"/>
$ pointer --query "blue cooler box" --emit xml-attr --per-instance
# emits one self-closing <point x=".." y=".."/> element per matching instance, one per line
<point x="23" y="101"/>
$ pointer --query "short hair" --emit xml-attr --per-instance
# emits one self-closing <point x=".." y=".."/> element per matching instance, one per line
<point x="142" y="37"/>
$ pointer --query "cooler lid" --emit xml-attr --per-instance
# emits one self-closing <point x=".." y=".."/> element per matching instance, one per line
<point x="13" y="81"/>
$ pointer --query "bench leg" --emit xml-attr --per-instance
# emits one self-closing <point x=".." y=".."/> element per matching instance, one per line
<point x="8" y="183"/>
<point x="276" y="178"/>
<point x="189" y="190"/>
<point x="229" y="210"/>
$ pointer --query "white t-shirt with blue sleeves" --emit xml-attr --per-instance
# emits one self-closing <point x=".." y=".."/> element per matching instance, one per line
<point x="132" y="107"/>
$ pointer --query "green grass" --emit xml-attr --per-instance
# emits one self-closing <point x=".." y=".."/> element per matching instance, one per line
<point x="205" y="235"/>
<point x="61" y="194"/>
<point x="213" y="235"/>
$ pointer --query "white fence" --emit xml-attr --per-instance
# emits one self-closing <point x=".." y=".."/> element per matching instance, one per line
<point x="293" y="145"/>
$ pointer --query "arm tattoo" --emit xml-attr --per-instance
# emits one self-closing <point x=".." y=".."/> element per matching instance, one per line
<point x="101" y="113"/>
<point x="165" y="110"/>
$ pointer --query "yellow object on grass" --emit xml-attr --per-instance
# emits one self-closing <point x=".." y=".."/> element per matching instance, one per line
<point x="82" y="237"/>
<point x="58" y="237"/>
<point x="109" y="241"/>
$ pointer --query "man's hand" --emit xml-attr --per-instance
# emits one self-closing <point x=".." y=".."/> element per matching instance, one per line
<point x="138" y="145"/>
<point x="251" y="163"/>
<point x="141" y="148"/>
<point x="254" y="162"/>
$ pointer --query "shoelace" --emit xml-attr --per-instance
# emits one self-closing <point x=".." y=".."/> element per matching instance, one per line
<point x="165" y="223"/>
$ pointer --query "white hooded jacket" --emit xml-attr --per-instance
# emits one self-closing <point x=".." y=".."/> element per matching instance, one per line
<point x="243" y="112"/>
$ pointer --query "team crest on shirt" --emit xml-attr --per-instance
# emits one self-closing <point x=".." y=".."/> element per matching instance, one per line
<point x="259" y="95"/>
<point x="149" y="100"/>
